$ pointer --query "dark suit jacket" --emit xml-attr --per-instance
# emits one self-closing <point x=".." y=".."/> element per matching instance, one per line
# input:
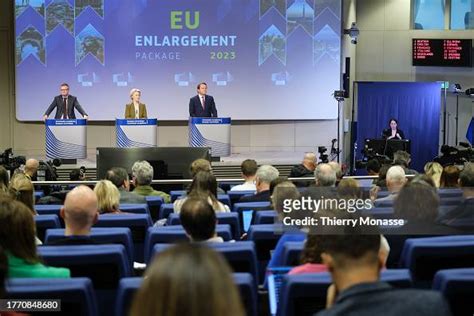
<point x="196" y="110"/>
<point x="379" y="298"/>
<point x="130" y="111"/>
<point x="263" y="196"/>
<point x="73" y="241"/>
<point x="72" y="104"/>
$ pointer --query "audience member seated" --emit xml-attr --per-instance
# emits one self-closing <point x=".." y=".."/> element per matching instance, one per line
<point x="142" y="173"/>
<point x="248" y="169"/>
<point x="324" y="183"/>
<point x="4" y="180"/>
<point x="199" y="221"/>
<point x="450" y="177"/>
<point x="202" y="165"/>
<point x="381" y="181"/>
<point x="423" y="179"/>
<point x="264" y="176"/>
<point x="119" y="177"/>
<point x="188" y="279"/>
<point x="373" y="167"/>
<point x="306" y="168"/>
<point x="325" y="175"/>
<point x="417" y="203"/>
<point x="338" y="169"/>
<point x="434" y="171"/>
<point x="204" y="186"/>
<point x="80" y="214"/>
<point x="17" y="238"/>
<point x="21" y="189"/>
<point x="395" y="180"/>
<point x="311" y="261"/>
<point x="353" y="261"/>
<point x="349" y="188"/>
<point x="31" y="168"/>
<point x="199" y="165"/>
<point x="276" y="182"/>
<point x="285" y="191"/>
<point x="402" y="158"/>
<point x="465" y="211"/>
<point x="108" y="197"/>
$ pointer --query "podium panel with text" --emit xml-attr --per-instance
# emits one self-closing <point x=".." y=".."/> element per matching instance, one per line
<point x="136" y="133"/>
<point x="213" y="132"/>
<point x="66" y="139"/>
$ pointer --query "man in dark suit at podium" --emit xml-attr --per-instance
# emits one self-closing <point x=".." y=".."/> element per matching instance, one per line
<point x="202" y="105"/>
<point x="65" y="105"/>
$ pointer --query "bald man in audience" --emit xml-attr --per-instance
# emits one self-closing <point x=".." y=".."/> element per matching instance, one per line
<point x="306" y="168"/>
<point x="395" y="180"/>
<point x="80" y="213"/>
<point x="31" y="167"/>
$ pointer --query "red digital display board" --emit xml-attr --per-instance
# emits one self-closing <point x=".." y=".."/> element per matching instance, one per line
<point x="442" y="52"/>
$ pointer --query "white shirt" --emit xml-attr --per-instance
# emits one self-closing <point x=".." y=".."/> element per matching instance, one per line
<point x="202" y="98"/>
<point x="137" y="110"/>
<point x="219" y="208"/>
<point x="246" y="186"/>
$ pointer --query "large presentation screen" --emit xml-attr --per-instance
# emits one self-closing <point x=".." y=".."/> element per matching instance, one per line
<point x="261" y="59"/>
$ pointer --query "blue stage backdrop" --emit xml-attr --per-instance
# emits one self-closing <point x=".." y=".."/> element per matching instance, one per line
<point x="262" y="59"/>
<point x="416" y="106"/>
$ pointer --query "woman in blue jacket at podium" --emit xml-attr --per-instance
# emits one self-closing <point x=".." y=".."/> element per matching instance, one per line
<point x="135" y="109"/>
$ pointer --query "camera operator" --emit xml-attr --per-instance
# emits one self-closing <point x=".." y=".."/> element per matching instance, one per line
<point x="78" y="174"/>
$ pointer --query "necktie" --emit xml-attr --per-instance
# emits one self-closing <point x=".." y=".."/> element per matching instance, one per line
<point x="65" y="108"/>
<point x="203" y="104"/>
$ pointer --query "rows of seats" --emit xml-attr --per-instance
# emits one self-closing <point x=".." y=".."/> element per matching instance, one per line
<point x="303" y="294"/>
<point x="136" y="240"/>
<point x="423" y="256"/>
<point x="299" y="295"/>
<point x="79" y="296"/>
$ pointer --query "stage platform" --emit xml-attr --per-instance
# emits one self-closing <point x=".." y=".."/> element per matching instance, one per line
<point x="226" y="167"/>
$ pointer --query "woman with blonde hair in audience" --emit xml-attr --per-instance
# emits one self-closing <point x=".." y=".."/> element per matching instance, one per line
<point x="204" y="186"/>
<point x="4" y="180"/>
<point x="17" y="238"/>
<point x="21" y="189"/>
<point x="450" y="177"/>
<point x="108" y="197"/>
<point x="188" y="279"/>
<point x="434" y="171"/>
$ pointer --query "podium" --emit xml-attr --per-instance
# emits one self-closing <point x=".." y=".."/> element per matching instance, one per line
<point x="136" y="133"/>
<point x="66" y="139"/>
<point x="213" y="132"/>
<point x="384" y="147"/>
